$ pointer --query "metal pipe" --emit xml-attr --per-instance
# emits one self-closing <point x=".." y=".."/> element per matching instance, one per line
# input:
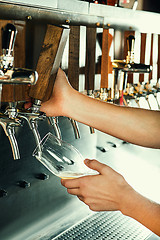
<point x="13" y="142"/>
<point x="54" y="122"/>
<point x="18" y="76"/>
<point x="75" y="128"/>
<point x="48" y="15"/>
<point x="8" y="126"/>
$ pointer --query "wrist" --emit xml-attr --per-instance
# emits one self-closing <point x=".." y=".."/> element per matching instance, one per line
<point x="127" y="202"/>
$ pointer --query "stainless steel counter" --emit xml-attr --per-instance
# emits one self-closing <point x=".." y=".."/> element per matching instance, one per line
<point x="44" y="209"/>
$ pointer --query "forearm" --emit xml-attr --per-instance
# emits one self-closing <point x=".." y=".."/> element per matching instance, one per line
<point x="130" y="124"/>
<point x="143" y="210"/>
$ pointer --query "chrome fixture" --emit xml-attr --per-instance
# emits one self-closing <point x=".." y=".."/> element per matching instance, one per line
<point x="32" y="116"/>
<point x="9" y="74"/>
<point x="121" y="68"/>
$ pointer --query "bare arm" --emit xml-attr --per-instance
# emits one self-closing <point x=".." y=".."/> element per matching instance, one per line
<point x="134" y="125"/>
<point x="109" y="191"/>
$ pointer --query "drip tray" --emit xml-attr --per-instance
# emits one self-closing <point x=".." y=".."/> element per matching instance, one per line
<point x="105" y="225"/>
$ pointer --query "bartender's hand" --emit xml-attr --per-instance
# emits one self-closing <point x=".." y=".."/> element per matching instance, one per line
<point x="109" y="191"/>
<point x="100" y="192"/>
<point x="58" y="104"/>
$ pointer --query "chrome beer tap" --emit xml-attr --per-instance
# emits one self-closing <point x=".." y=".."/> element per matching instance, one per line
<point x="122" y="68"/>
<point x="151" y="96"/>
<point x="90" y="93"/>
<point x="32" y="116"/>
<point x="53" y="121"/>
<point x="10" y="75"/>
<point x="9" y="121"/>
<point x="75" y="128"/>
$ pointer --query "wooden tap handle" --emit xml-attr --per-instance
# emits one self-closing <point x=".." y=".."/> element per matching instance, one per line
<point x="142" y="54"/>
<point x="151" y="57"/>
<point x="49" y="61"/>
<point x="106" y="65"/>
<point x="90" y="58"/>
<point x="158" y="62"/>
<point x="73" y="60"/>
<point x="126" y="35"/>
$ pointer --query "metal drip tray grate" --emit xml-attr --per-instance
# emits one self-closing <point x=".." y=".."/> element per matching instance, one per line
<point x="105" y="225"/>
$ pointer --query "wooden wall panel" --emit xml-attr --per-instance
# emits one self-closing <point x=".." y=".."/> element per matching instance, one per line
<point x="106" y="65"/>
<point x="158" y="64"/>
<point x="73" y="61"/>
<point x="21" y="91"/>
<point x="142" y="54"/>
<point x="151" y="57"/>
<point x="90" y="58"/>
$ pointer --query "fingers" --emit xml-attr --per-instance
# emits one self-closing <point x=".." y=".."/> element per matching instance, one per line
<point x="95" y="165"/>
<point x="28" y="105"/>
<point x="74" y="191"/>
<point x="70" y="183"/>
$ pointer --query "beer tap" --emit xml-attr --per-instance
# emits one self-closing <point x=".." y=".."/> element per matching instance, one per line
<point x="9" y="121"/>
<point x="151" y="96"/>
<point x="75" y="128"/>
<point x="54" y="123"/>
<point x="47" y="66"/>
<point x="11" y="75"/>
<point x="123" y="67"/>
<point x="32" y="116"/>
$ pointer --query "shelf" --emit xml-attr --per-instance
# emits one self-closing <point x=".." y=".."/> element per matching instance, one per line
<point x="127" y="19"/>
<point x="74" y="12"/>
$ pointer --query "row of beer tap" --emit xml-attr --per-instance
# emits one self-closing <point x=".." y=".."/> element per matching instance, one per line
<point x="14" y="115"/>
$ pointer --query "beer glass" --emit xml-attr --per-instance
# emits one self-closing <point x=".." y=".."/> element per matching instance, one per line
<point x="61" y="158"/>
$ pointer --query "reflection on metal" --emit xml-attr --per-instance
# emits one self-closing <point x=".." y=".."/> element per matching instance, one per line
<point x="54" y="122"/>
<point x="18" y="76"/>
<point x="9" y="74"/>
<point x="8" y="126"/>
<point x="18" y="11"/>
<point x="75" y="128"/>
<point x="96" y="15"/>
<point x="32" y="118"/>
<point x="152" y="102"/>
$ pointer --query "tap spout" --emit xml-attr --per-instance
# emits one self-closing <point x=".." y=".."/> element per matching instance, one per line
<point x="32" y="118"/>
<point x="13" y="142"/>
<point x="8" y="126"/>
<point x="75" y="128"/>
<point x="54" y="122"/>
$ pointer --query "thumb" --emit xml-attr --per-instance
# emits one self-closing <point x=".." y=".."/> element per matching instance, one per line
<point x="95" y="165"/>
<point x="48" y="108"/>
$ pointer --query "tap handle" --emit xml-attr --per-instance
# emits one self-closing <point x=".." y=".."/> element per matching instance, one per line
<point x="8" y="38"/>
<point x="49" y="61"/>
<point x="130" y="42"/>
<point x="130" y="47"/>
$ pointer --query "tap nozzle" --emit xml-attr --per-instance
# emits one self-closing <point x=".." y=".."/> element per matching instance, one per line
<point x="32" y="115"/>
<point x="54" y="122"/>
<point x="8" y="126"/>
<point x="75" y="128"/>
